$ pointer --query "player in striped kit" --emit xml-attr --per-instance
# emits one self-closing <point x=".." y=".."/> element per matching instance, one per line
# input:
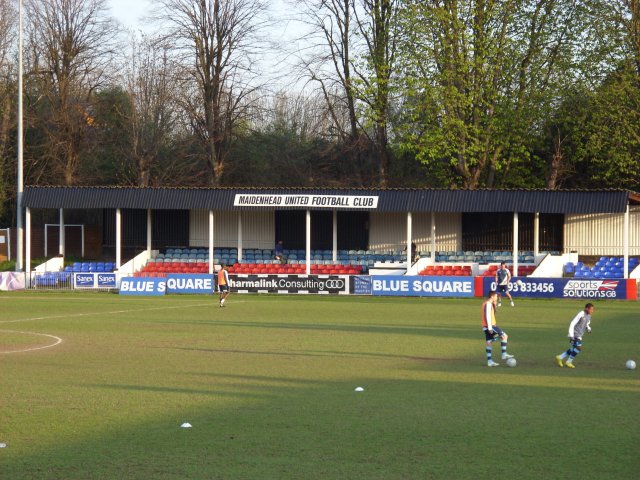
<point x="491" y="331"/>
<point x="580" y="325"/>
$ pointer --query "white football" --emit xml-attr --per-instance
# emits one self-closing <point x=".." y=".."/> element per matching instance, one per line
<point x="519" y="282"/>
<point x="631" y="365"/>
<point x="511" y="362"/>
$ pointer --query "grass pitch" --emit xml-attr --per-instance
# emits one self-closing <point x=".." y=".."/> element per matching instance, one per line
<point x="268" y="385"/>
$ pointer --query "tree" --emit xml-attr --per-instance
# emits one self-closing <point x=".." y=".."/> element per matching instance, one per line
<point x="329" y="61"/>
<point x="72" y="43"/>
<point x="479" y="76"/>
<point x="152" y="119"/>
<point x="217" y="41"/>
<point x="377" y="25"/>
<point x="592" y="137"/>
<point x="351" y="58"/>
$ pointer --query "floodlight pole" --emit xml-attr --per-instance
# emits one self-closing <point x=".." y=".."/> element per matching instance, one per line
<point x="20" y="183"/>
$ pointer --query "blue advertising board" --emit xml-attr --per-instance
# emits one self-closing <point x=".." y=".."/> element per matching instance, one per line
<point x="194" y="284"/>
<point x="143" y="286"/>
<point x="422" y="286"/>
<point x="106" y="280"/>
<point x="564" y="288"/>
<point x="94" y="280"/>
<point x="83" y="280"/>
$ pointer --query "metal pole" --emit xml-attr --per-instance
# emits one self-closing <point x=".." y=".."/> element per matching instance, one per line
<point x="212" y="220"/>
<point x="149" y="232"/>
<point x="625" y="243"/>
<point x="118" y="238"/>
<point x="308" y="242"/>
<point x="335" y="236"/>
<point x="433" y="236"/>
<point x="27" y="270"/>
<point x="61" y="237"/>
<point x="20" y="186"/>
<point x="239" y="236"/>
<point x="515" y="244"/>
<point x="409" y="235"/>
<point x="536" y="234"/>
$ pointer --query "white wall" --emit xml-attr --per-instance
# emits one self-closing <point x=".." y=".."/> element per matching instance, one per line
<point x="258" y="229"/>
<point x="388" y="231"/>
<point x="601" y="233"/>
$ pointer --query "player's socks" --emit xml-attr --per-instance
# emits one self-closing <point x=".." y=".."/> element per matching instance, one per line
<point x="489" y="350"/>
<point x="503" y="348"/>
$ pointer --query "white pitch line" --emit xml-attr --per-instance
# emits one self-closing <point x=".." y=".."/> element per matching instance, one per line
<point x="58" y="341"/>
<point x="93" y="314"/>
<point x="114" y="312"/>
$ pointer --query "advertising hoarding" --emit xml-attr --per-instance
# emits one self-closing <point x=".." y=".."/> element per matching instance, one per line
<point x="591" y="289"/>
<point x="422" y="286"/>
<point x="321" y="284"/>
<point x="90" y="280"/>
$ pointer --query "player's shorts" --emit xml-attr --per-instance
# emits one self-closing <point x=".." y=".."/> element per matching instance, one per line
<point x="502" y="288"/>
<point x="223" y="288"/>
<point x="575" y="343"/>
<point x="492" y="336"/>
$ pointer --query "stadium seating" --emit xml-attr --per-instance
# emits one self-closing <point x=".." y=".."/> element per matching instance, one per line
<point x="483" y="257"/>
<point x="157" y="269"/>
<point x="447" y="270"/>
<point x="90" y="267"/>
<point x="605" y="267"/>
<point x="523" y="270"/>
<point x="360" y="260"/>
<point x="255" y="260"/>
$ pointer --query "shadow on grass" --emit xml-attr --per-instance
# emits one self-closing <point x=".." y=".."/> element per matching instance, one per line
<point x="286" y="428"/>
<point x="444" y="331"/>
<point x="322" y="353"/>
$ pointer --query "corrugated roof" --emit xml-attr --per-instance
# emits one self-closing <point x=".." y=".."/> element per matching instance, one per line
<point x="389" y="200"/>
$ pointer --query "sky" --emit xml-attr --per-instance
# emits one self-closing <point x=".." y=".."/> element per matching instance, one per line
<point x="129" y="12"/>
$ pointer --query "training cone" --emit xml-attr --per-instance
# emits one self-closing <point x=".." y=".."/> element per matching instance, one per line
<point x="185" y="425"/>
